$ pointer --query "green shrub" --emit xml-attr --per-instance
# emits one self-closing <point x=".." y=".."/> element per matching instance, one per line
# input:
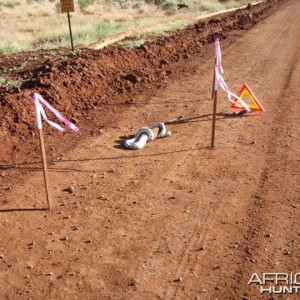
<point x="10" y="84"/>
<point x="14" y="85"/>
<point x="137" y="4"/>
<point x="210" y="6"/>
<point x="134" y="44"/>
<point x="104" y="29"/>
<point x="11" y="3"/>
<point x="85" y="3"/>
<point x="169" y="6"/>
<point x="7" y="48"/>
<point x="2" y="81"/>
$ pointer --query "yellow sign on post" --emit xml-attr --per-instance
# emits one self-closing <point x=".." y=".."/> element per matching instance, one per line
<point x="67" y="6"/>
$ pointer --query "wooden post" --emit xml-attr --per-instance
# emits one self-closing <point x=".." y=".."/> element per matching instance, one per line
<point x="215" y="98"/>
<point x="214" y="80"/>
<point x="70" y="29"/>
<point x="45" y="169"/>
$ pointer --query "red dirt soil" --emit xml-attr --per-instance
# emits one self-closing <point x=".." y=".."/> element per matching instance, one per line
<point x="175" y="220"/>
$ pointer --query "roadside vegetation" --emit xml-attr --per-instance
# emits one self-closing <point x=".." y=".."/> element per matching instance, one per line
<point x="39" y="24"/>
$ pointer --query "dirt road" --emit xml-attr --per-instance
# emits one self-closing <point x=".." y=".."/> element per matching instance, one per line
<point x="175" y="220"/>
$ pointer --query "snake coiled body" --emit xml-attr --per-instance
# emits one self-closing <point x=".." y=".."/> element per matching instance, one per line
<point x="145" y="135"/>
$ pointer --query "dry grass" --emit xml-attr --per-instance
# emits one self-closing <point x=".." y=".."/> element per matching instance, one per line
<point x="37" y="24"/>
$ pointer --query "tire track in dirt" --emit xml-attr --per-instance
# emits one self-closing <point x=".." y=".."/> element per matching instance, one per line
<point x="280" y="144"/>
<point x="287" y="78"/>
<point x="279" y="118"/>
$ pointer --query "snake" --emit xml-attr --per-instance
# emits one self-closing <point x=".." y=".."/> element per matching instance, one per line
<point x="145" y="135"/>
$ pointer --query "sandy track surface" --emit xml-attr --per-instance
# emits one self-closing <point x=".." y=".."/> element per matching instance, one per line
<point x="175" y="220"/>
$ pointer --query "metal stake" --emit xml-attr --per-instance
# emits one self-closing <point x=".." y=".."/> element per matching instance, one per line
<point x="45" y="169"/>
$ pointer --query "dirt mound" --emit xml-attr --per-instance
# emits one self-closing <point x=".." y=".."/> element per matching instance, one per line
<point x="78" y="83"/>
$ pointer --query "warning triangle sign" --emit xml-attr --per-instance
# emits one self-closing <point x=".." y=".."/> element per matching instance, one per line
<point x="248" y="97"/>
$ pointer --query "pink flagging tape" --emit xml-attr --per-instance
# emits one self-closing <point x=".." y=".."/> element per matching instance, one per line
<point x="218" y="55"/>
<point x="219" y="80"/>
<point x="39" y="101"/>
<point x="231" y="96"/>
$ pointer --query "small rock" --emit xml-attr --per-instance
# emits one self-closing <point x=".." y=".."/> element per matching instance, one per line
<point x="257" y="196"/>
<point x="248" y="251"/>
<point x="132" y="282"/>
<point x="201" y="248"/>
<point x="69" y="189"/>
<point x="63" y="238"/>
<point x="268" y="235"/>
<point x="179" y="279"/>
<point x="163" y="62"/>
<point x="132" y="78"/>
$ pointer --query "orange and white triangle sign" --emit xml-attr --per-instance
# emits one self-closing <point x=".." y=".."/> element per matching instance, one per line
<point x="248" y="97"/>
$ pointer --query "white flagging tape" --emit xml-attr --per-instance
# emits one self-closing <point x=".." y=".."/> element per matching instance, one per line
<point x="145" y="135"/>
<point x="40" y="112"/>
<point x="219" y="80"/>
<point x="218" y="55"/>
